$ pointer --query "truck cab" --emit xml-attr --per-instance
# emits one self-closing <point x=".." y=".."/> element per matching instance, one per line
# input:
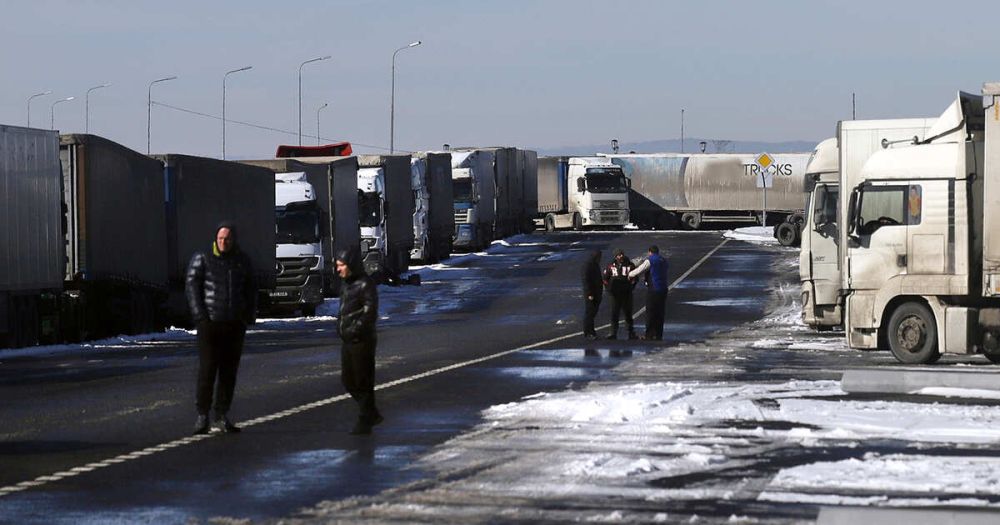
<point x="371" y="218"/>
<point x="299" y="251"/>
<point x="598" y="193"/>
<point x="819" y="263"/>
<point x="473" y="192"/>
<point x="421" y="209"/>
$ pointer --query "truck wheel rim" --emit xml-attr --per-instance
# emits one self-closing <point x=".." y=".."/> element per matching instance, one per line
<point x="911" y="334"/>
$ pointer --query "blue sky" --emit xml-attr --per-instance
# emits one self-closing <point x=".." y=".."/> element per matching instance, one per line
<point x="534" y="74"/>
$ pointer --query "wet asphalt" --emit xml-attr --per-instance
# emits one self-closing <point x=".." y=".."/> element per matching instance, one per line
<point x="63" y="411"/>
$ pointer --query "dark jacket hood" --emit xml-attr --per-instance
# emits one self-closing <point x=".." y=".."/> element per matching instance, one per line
<point x="232" y="230"/>
<point x="351" y="256"/>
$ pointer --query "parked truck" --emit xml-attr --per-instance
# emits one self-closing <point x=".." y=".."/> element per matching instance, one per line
<point x="668" y="190"/>
<point x="581" y="192"/>
<point x="528" y="164"/>
<point x="333" y="182"/>
<point x="474" y="193"/>
<point x="921" y="257"/>
<point x="385" y="210"/>
<point x="84" y="240"/>
<point x="201" y="193"/>
<point x="433" y="214"/>
<point x="837" y="162"/>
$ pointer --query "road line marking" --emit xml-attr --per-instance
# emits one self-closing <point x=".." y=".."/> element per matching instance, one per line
<point x="122" y="458"/>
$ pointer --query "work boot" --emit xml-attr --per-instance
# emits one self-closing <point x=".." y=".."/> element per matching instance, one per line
<point x="201" y="425"/>
<point x="590" y="336"/>
<point x="612" y="335"/>
<point x="632" y="336"/>
<point x="223" y="424"/>
<point x="378" y="419"/>
<point x="361" y="429"/>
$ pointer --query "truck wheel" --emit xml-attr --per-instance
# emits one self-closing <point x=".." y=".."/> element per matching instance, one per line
<point x="912" y="334"/>
<point x="785" y="233"/>
<point x="577" y="222"/>
<point x="691" y="220"/>
<point x="308" y="310"/>
<point x="550" y="223"/>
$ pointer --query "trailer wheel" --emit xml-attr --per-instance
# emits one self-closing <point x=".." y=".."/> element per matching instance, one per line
<point x="912" y="334"/>
<point x="577" y="222"/>
<point x="785" y="233"/>
<point x="691" y="220"/>
<point x="550" y="223"/>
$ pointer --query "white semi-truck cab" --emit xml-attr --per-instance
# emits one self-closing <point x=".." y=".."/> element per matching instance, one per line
<point x="819" y="266"/>
<point x="473" y="192"/>
<point x="371" y="218"/>
<point x="922" y="259"/>
<point x="299" y="250"/>
<point x="598" y="193"/>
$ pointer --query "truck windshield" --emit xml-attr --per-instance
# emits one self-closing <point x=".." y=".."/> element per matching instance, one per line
<point x="296" y="226"/>
<point x="369" y="209"/>
<point x="462" y="189"/>
<point x="606" y="180"/>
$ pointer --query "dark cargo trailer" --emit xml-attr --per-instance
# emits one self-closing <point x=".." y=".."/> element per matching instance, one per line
<point x="529" y="189"/>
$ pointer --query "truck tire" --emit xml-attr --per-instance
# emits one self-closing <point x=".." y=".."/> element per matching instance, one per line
<point x="785" y="233"/>
<point x="577" y="222"/>
<point x="691" y="220"/>
<point x="912" y="334"/>
<point x="309" y="310"/>
<point x="550" y="223"/>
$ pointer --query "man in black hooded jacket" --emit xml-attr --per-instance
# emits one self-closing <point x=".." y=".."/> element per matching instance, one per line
<point x="356" y="325"/>
<point x="222" y="294"/>
<point x="593" y="287"/>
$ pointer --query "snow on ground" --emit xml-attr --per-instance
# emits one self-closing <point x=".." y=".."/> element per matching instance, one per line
<point x="754" y="234"/>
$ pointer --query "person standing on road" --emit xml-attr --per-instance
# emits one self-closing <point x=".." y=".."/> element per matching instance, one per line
<point x="222" y="294"/>
<point x="619" y="285"/>
<point x="356" y="325"/>
<point x="655" y="268"/>
<point x="593" y="286"/>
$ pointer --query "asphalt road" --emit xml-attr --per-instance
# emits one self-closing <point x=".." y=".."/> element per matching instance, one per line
<point x="81" y="409"/>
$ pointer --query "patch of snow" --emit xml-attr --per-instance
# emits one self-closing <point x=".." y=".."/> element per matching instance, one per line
<point x="754" y="234"/>
<point x="971" y="393"/>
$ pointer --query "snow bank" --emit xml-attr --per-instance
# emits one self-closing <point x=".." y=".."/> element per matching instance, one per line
<point x="754" y="234"/>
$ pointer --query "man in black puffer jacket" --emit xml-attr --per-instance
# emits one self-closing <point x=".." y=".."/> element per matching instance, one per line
<point x="222" y="294"/>
<point x="356" y="325"/>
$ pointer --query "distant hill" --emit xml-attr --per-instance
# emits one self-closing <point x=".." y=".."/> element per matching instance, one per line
<point x="691" y="145"/>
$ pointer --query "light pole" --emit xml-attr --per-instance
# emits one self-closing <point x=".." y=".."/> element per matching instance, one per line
<point x="52" y="111"/>
<point x="149" y="106"/>
<point x="392" y="96"/>
<point x="86" y="98"/>
<point x="224" y="106"/>
<point x="29" y="103"/>
<point x="317" y="121"/>
<point x="682" y="130"/>
<point x="300" y="90"/>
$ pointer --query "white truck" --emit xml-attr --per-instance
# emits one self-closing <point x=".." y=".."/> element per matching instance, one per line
<point x="385" y="214"/>
<point x="474" y="194"/>
<point x="299" y="248"/>
<point x="922" y="240"/>
<point x="831" y="166"/>
<point x="581" y="192"/>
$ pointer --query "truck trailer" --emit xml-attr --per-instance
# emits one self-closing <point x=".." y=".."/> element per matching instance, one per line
<point x="433" y="214"/>
<point x="668" y="190"/>
<point x="581" y="192"/>
<point x="385" y="212"/>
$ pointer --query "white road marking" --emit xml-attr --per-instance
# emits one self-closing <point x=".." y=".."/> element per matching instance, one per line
<point x="90" y="467"/>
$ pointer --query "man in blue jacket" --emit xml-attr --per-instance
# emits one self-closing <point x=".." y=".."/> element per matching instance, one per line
<point x="655" y="267"/>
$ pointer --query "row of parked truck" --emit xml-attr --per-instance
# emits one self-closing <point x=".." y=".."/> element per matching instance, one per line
<point x="901" y="246"/>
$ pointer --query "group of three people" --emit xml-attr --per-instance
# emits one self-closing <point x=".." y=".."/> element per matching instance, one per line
<point x="619" y="278"/>
<point x="222" y="294"/>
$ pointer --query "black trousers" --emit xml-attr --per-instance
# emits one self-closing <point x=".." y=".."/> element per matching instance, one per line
<point x="590" y="307"/>
<point x="357" y="364"/>
<point x="621" y="303"/>
<point x="220" y="345"/>
<point x="656" y="311"/>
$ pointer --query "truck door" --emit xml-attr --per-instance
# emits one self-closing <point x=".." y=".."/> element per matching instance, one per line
<point x="878" y="249"/>
<point x="824" y="257"/>
<point x="928" y="232"/>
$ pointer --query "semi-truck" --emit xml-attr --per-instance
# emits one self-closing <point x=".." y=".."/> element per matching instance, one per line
<point x="474" y="193"/>
<point x="83" y="251"/>
<point x="581" y="192"/>
<point x="668" y="190"/>
<point x="921" y="238"/>
<point x="334" y="183"/>
<point x="385" y="213"/>
<point x="835" y="163"/>
<point x="433" y="213"/>
<point x="201" y="193"/>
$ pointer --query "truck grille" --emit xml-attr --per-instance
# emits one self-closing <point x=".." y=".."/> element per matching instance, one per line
<point x="610" y="216"/>
<point x="609" y="205"/>
<point x="293" y="271"/>
<point x="461" y="216"/>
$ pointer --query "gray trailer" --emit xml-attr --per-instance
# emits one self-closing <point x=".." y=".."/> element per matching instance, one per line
<point x="31" y="241"/>
<point x="434" y="216"/>
<point x="529" y="190"/>
<point x="507" y="178"/>
<point x="335" y="182"/>
<point x="116" y="239"/>
<point x="385" y="208"/>
<point x="690" y="190"/>
<point x="201" y="193"/>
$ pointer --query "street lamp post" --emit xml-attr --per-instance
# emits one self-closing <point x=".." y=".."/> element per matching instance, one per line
<point x="52" y="111"/>
<point x="392" y="96"/>
<point x="86" y="99"/>
<point x="149" y="106"/>
<point x="29" y="103"/>
<point x="682" y="130"/>
<point x="224" y="105"/>
<point x="317" y="121"/>
<point x="300" y="90"/>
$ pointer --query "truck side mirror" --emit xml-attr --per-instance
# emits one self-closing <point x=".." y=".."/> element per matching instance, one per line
<point x="581" y="185"/>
